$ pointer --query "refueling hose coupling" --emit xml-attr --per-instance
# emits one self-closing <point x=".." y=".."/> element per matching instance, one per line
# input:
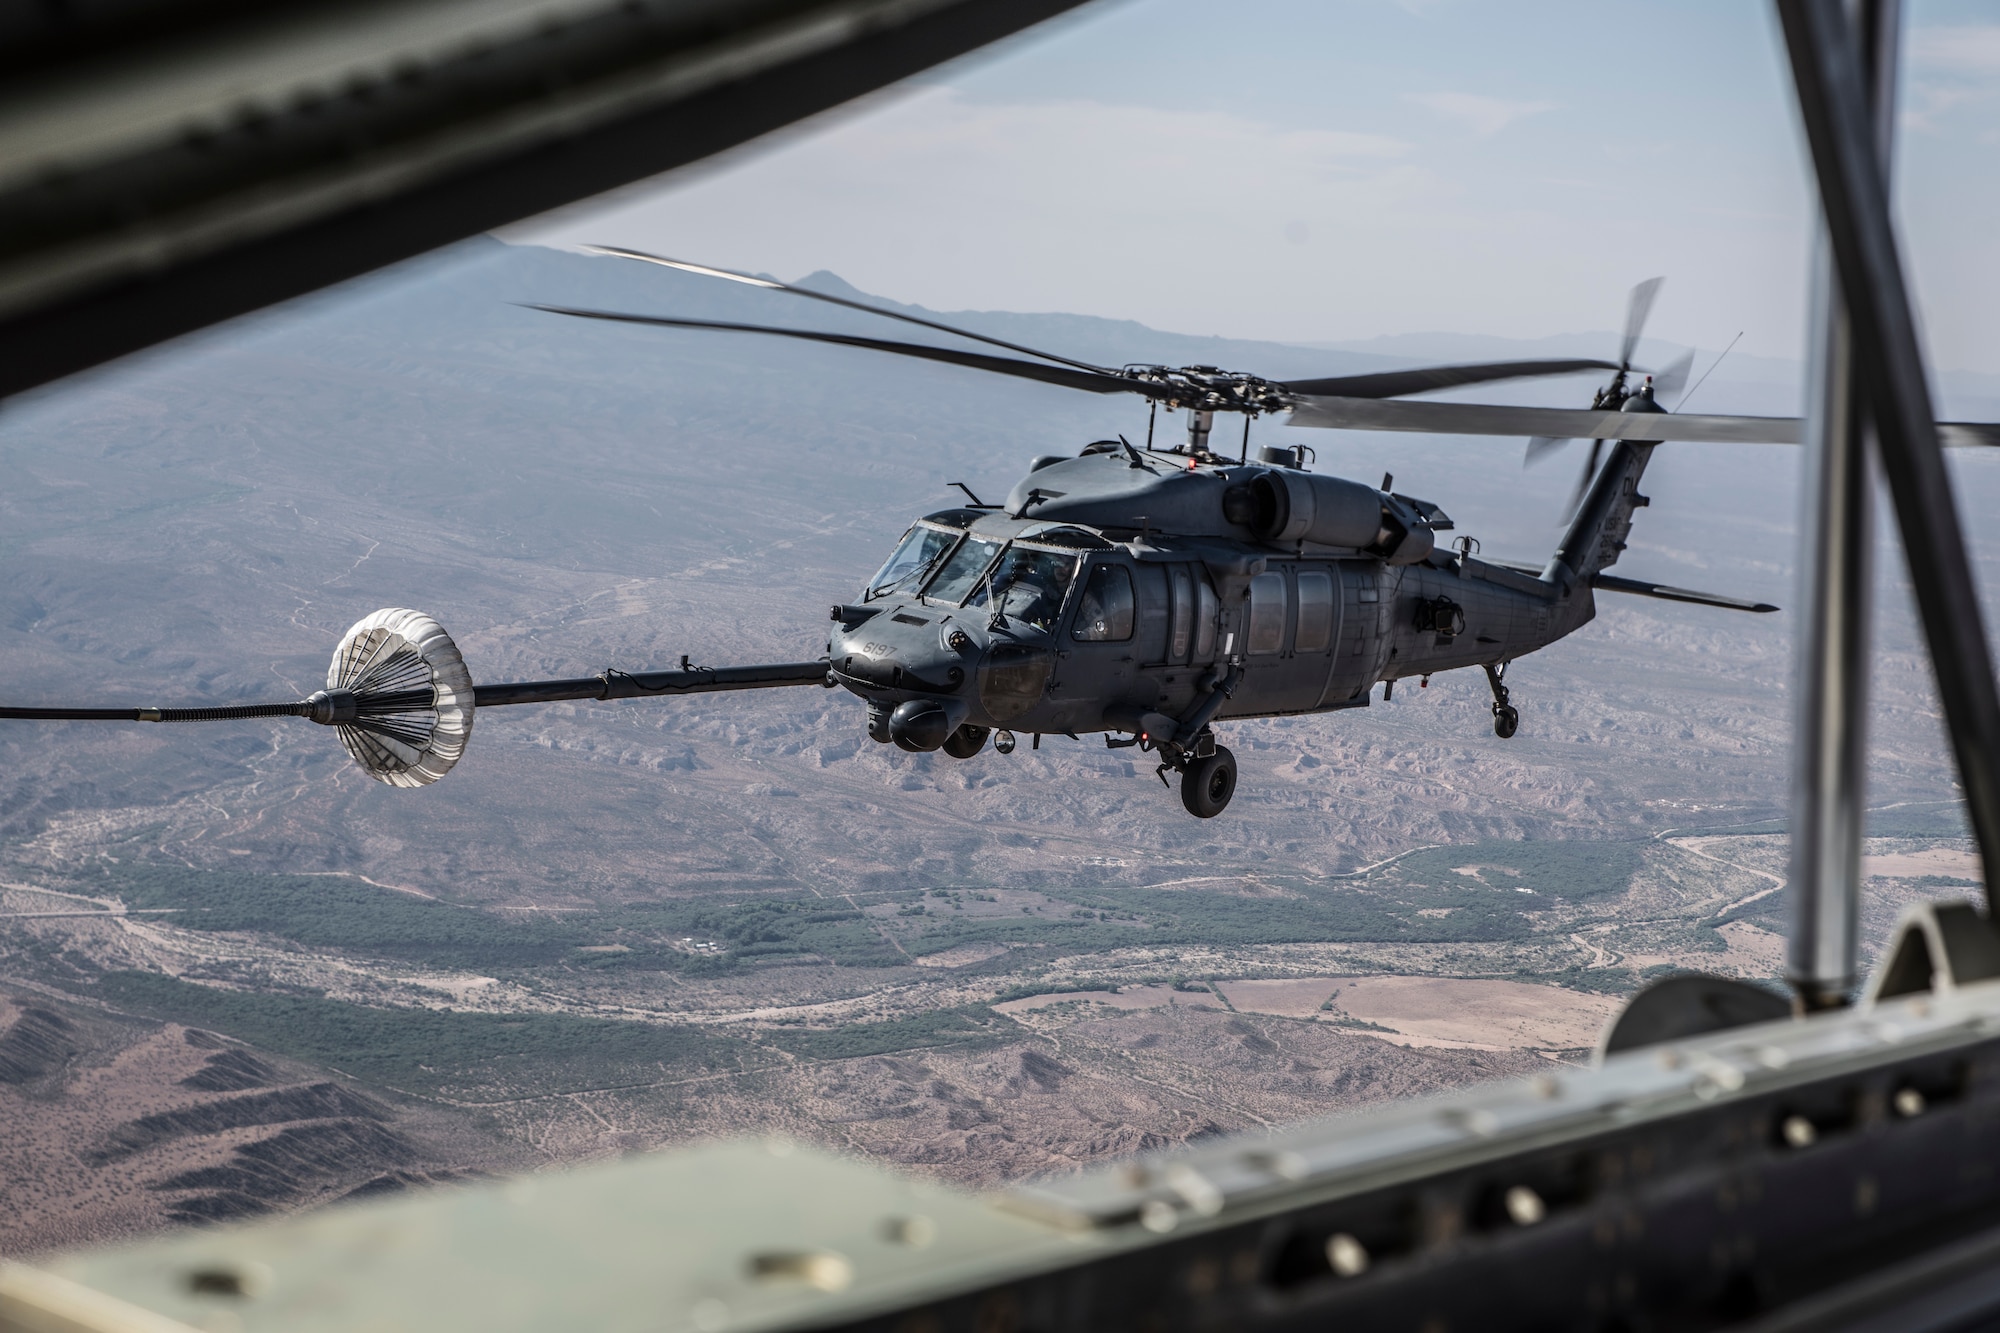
<point x="331" y="708"/>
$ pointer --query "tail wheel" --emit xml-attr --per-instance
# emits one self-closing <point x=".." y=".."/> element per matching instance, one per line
<point x="1506" y="721"/>
<point x="967" y="741"/>
<point x="1207" y="784"/>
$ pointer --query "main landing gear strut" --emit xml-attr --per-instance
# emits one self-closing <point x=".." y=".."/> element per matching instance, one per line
<point x="1208" y="770"/>
<point x="1506" y="721"/>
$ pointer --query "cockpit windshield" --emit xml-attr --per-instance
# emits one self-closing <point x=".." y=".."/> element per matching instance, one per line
<point x="1029" y="585"/>
<point x="920" y="549"/>
<point x="961" y="573"/>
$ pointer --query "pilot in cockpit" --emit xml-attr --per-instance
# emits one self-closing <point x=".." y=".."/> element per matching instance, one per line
<point x="1030" y="585"/>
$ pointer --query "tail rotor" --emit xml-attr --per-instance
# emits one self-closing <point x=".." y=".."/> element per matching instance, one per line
<point x="1613" y="396"/>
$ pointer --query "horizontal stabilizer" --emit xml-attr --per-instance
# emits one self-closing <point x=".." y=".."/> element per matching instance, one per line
<point x="1612" y="583"/>
<point x="1641" y="588"/>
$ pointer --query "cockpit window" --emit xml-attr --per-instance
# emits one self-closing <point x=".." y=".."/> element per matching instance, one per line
<point x="921" y="548"/>
<point x="1106" y="613"/>
<point x="961" y="572"/>
<point x="1030" y="585"/>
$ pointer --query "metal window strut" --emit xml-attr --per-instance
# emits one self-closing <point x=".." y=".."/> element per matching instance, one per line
<point x="1836" y="542"/>
<point x="1884" y="356"/>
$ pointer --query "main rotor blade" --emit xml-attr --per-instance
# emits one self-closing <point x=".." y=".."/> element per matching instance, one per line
<point x="1091" y="381"/>
<point x="1636" y="310"/>
<point x="1396" y="383"/>
<point x="773" y="284"/>
<point x="1577" y="423"/>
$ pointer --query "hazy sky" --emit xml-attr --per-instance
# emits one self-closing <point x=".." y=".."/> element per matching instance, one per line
<point x="1313" y="170"/>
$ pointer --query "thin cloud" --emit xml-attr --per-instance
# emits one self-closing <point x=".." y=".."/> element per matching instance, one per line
<point x="1484" y="116"/>
<point x="1929" y="102"/>
<point x="1954" y="67"/>
<point x="1971" y="48"/>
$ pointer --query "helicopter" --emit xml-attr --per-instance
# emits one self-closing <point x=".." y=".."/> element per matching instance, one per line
<point x="1145" y="593"/>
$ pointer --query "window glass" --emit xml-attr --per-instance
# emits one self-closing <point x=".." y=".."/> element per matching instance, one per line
<point x="1267" y="613"/>
<point x="1030" y="585"/>
<point x="1013" y="679"/>
<point x="1105" y="614"/>
<point x="1150" y="637"/>
<point x="920" y="548"/>
<point x="1181" y="630"/>
<point x="1315" y="612"/>
<point x="961" y="572"/>
<point x="1207" y="614"/>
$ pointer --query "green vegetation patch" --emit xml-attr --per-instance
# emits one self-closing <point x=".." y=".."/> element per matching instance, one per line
<point x="1940" y="819"/>
<point x="1602" y="980"/>
<point x="970" y="1023"/>
<point x="339" y="912"/>
<point x="780" y="929"/>
<point x="1419" y="899"/>
<point x="425" y="1049"/>
<point x="1070" y="934"/>
<point x="1570" y="870"/>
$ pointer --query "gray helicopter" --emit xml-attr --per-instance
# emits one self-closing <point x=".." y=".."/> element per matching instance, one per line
<point x="1150" y="593"/>
<point x="1144" y="593"/>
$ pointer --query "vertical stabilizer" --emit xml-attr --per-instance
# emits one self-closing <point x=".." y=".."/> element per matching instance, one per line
<point x="1597" y="534"/>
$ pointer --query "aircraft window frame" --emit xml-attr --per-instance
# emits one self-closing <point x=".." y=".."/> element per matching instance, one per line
<point x="922" y="574"/>
<point x="1083" y="632"/>
<point x="978" y="576"/>
<point x="1264" y="625"/>
<point x="1207" y="616"/>
<point x="1316" y="614"/>
<point x="1180" y="613"/>
<point x="1055" y="613"/>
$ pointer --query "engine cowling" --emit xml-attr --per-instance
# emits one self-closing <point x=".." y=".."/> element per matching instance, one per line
<point x="1285" y="507"/>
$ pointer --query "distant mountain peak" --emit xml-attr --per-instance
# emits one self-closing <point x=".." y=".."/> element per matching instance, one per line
<point x="829" y="283"/>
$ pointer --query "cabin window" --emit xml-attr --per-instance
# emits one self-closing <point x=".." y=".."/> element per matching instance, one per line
<point x="1181" y="629"/>
<point x="1150" y="643"/>
<point x="920" y="548"/>
<point x="1029" y="584"/>
<point x="1267" y="613"/>
<point x="960" y="575"/>
<point x="1106" y="613"/>
<point x="1207" y="615"/>
<point x="1315" y="612"/>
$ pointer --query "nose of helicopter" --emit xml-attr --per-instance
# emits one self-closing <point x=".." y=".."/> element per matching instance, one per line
<point x="912" y="665"/>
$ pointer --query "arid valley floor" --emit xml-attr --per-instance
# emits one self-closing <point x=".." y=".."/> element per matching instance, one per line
<point x="237" y="978"/>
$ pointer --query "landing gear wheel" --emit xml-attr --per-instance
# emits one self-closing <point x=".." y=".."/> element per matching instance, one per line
<point x="1506" y="721"/>
<point x="966" y="742"/>
<point x="1207" y="784"/>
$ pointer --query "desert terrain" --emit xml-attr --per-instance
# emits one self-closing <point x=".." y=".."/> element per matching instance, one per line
<point x="238" y="978"/>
